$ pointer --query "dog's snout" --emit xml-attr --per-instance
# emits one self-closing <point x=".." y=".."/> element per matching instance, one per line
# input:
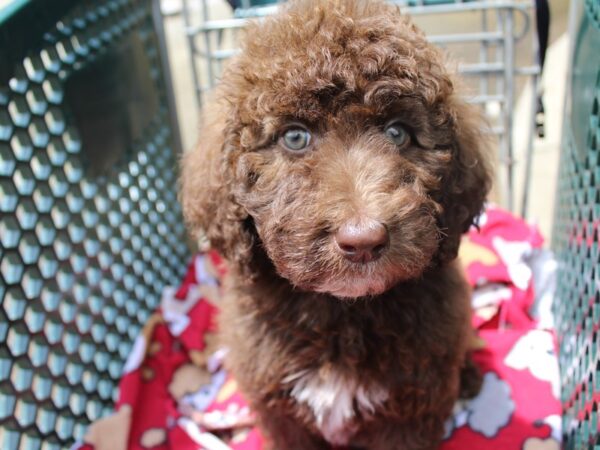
<point x="362" y="241"/>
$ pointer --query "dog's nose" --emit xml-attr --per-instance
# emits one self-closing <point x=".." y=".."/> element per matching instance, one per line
<point x="362" y="241"/>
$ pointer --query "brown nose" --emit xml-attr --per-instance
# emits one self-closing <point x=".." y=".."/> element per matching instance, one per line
<point x="362" y="241"/>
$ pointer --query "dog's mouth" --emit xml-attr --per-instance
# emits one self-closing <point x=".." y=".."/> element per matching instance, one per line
<point x="353" y="288"/>
<point x="364" y="279"/>
<point x="345" y="279"/>
<point x="319" y="268"/>
<point x="316" y="262"/>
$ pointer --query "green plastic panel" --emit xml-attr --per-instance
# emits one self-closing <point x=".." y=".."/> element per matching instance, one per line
<point x="576" y="238"/>
<point x="11" y="8"/>
<point x="90" y="227"/>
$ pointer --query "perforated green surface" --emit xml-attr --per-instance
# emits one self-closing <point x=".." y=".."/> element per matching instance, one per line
<point x="87" y="242"/>
<point x="577" y="237"/>
<point x="593" y="9"/>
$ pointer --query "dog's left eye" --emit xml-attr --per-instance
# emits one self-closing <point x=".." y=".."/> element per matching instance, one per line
<point x="296" y="139"/>
<point x="397" y="134"/>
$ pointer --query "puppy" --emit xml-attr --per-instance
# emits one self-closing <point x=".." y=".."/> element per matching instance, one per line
<point x="336" y="175"/>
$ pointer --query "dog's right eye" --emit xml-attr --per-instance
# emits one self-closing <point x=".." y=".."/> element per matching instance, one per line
<point x="296" y="139"/>
<point x="397" y="133"/>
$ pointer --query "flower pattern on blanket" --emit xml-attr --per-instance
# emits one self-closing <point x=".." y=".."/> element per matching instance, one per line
<point x="535" y="352"/>
<point x="487" y="413"/>
<point x="541" y="444"/>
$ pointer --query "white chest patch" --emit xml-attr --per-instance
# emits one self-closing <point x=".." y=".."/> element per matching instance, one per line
<point x="333" y="397"/>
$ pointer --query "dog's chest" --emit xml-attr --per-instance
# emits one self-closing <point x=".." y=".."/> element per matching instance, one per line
<point x="335" y="399"/>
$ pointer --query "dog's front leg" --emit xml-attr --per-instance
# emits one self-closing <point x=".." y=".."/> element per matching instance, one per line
<point x="424" y="434"/>
<point x="286" y="433"/>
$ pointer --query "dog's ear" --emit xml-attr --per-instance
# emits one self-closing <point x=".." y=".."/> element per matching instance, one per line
<point x="207" y="194"/>
<point x="468" y="181"/>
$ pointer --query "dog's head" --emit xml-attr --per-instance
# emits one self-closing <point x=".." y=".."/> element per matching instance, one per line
<point x="339" y="149"/>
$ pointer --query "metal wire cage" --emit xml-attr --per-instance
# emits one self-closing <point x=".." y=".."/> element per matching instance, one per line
<point x="485" y="48"/>
<point x="90" y="227"/>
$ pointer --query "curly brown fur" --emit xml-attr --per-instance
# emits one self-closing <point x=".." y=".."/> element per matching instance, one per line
<point x="299" y="318"/>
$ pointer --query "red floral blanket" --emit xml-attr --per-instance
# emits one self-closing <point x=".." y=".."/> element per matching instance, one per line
<point x="174" y="393"/>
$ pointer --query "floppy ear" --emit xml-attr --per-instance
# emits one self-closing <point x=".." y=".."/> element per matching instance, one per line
<point x="468" y="181"/>
<point x="207" y="196"/>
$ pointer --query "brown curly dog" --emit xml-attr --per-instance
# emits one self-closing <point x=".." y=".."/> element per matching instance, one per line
<point x="336" y="176"/>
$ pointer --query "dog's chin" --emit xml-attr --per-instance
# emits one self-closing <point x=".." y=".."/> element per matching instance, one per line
<point x="353" y="291"/>
<point x="356" y="287"/>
